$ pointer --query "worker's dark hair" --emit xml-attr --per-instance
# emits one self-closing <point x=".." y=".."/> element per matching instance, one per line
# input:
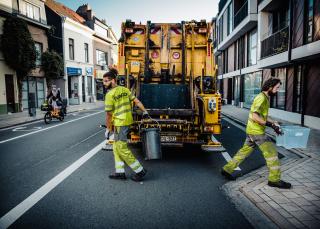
<point x="270" y="83"/>
<point x="111" y="74"/>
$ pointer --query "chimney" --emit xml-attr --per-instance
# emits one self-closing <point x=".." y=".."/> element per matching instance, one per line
<point x="85" y="11"/>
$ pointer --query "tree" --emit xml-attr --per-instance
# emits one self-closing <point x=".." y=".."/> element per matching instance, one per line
<point x="18" y="49"/>
<point x="52" y="65"/>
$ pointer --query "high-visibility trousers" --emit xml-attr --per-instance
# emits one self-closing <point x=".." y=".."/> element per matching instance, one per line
<point x="268" y="150"/>
<point x="122" y="154"/>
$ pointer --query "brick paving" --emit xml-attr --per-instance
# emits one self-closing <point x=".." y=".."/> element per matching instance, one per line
<point x="298" y="207"/>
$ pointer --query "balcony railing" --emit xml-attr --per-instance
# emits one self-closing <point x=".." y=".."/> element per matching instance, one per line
<point x="276" y="43"/>
<point x="241" y="14"/>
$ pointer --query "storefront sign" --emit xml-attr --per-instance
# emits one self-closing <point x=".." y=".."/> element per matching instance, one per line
<point x="74" y="71"/>
<point x="89" y="71"/>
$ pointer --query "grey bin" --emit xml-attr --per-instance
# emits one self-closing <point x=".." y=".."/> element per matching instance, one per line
<point x="151" y="144"/>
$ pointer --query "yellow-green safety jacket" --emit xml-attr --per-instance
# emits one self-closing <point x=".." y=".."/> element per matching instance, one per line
<point x="261" y="106"/>
<point x="118" y="101"/>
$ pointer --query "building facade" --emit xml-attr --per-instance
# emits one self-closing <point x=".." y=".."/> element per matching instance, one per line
<point x="33" y="89"/>
<point x="8" y="79"/>
<point x="259" y="39"/>
<point x="74" y="39"/>
<point x="104" y="47"/>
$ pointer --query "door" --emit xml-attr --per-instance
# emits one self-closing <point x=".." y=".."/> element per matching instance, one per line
<point x="10" y="93"/>
<point x="236" y="90"/>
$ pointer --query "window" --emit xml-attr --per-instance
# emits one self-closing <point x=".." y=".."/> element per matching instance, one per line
<point x="102" y="57"/>
<point x="252" y="87"/>
<point x="86" y="52"/>
<point x="220" y="30"/>
<point x="241" y="53"/>
<point x="71" y="49"/>
<point x="280" y="19"/>
<point x="220" y="65"/>
<point x="38" y="47"/>
<point x="230" y="19"/>
<point x="30" y="10"/>
<point x="252" y="48"/>
<point x="297" y="89"/>
<point x="309" y="26"/>
<point x="225" y="61"/>
<point x="279" y="100"/>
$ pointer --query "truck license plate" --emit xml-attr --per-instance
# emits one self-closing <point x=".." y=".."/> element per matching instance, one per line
<point x="168" y="138"/>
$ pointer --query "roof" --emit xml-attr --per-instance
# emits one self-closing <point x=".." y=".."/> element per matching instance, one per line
<point x="62" y="10"/>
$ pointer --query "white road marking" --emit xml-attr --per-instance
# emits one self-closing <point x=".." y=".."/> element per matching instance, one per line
<point x="24" y="124"/>
<point x="24" y="135"/>
<point x="228" y="158"/>
<point x="35" y="197"/>
<point x="24" y="128"/>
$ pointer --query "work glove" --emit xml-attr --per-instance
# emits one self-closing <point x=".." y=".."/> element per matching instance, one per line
<point x="109" y="134"/>
<point x="276" y="127"/>
<point x="145" y="114"/>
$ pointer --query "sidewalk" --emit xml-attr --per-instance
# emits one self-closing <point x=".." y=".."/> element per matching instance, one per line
<point x="7" y="120"/>
<point x="298" y="207"/>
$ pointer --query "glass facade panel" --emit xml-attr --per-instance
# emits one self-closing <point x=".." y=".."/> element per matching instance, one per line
<point x="38" y="47"/>
<point x="252" y="87"/>
<point x="25" y="94"/>
<point x="236" y="95"/>
<point x="281" y="95"/>
<point x="252" y="48"/>
<point x="40" y="92"/>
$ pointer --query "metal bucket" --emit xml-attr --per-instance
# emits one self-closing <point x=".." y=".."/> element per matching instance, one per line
<point x="151" y="144"/>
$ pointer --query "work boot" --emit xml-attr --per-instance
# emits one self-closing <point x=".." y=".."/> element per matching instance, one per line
<point x="118" y="176"/>
<point x="139" y="176"/>
<point x="280" y="184"/>
<point x="227" y="175"/>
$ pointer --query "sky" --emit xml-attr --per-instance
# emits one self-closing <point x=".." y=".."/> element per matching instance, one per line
<point x="170" y="11"/>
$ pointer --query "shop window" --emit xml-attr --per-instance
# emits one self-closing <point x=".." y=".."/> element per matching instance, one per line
<point x="297" y="89"/>
<point x="236" y="90"/>
<point x="38" y="47"/>
<point x="89" y="82"/>
<point x="278" y="101"/>
<point x="252" y="87"/>
<point x="40" y="92"/>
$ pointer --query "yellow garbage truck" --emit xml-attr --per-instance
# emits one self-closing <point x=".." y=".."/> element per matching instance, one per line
<point x="170" y="68"/>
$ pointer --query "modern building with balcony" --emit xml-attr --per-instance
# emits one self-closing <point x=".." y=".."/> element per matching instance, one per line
<point x="289" y="33"/>
<point x="284" y="43"/>
<point x="236" y="46"/>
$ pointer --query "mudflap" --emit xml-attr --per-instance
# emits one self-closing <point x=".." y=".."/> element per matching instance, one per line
<point x="213" y="146"/>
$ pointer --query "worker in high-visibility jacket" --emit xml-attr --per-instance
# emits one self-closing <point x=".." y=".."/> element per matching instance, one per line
<point x="118" y="119"/>
<point x="257" y="122"/>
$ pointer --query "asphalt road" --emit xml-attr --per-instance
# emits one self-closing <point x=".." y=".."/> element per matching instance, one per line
<point x="183" y="190"/>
